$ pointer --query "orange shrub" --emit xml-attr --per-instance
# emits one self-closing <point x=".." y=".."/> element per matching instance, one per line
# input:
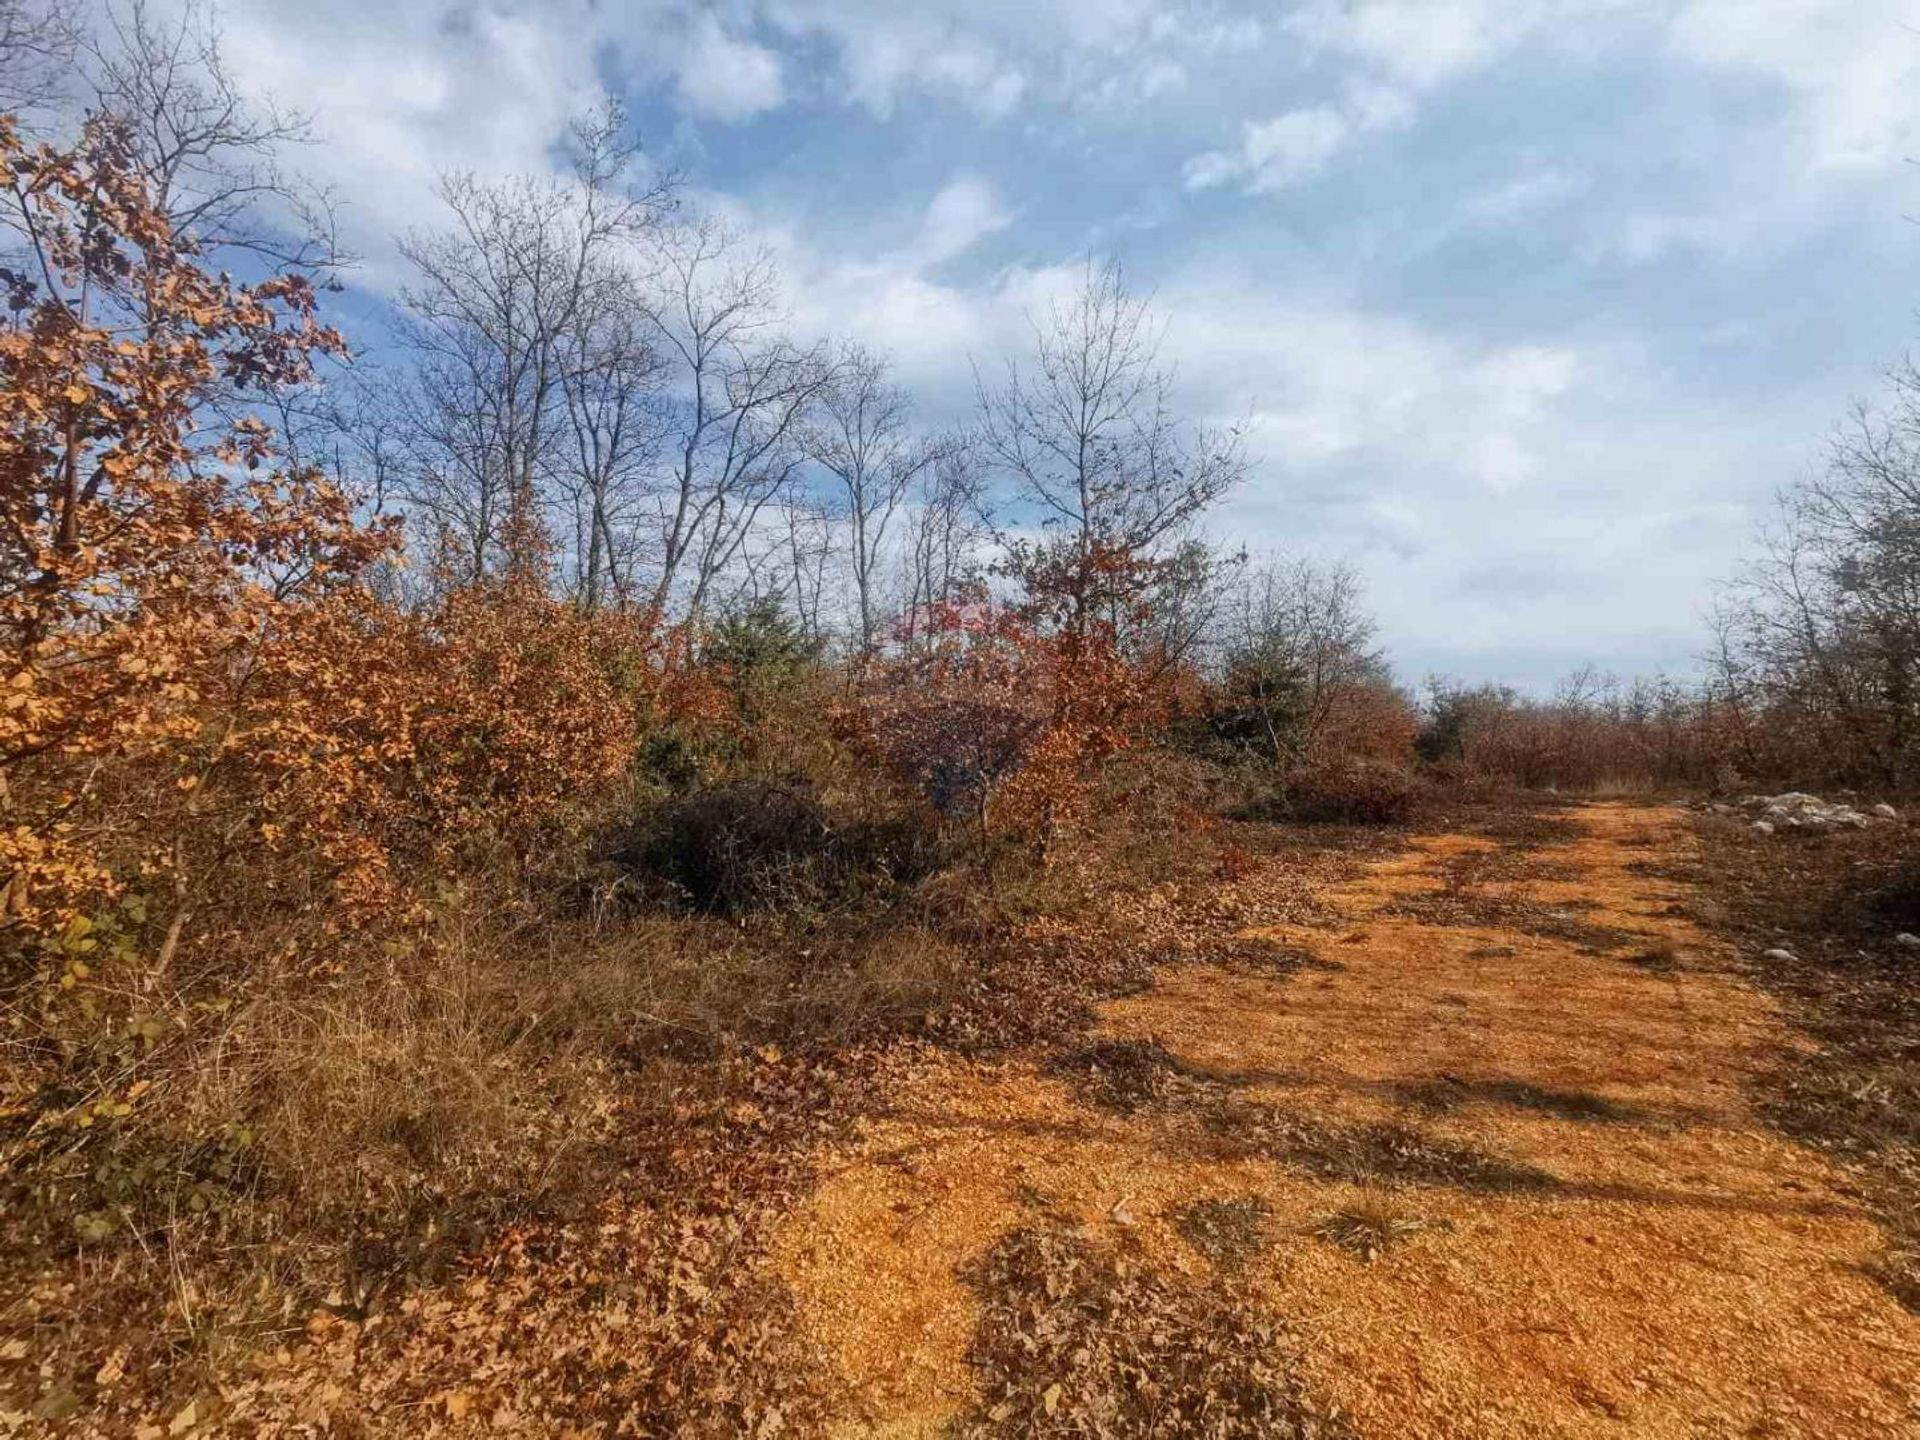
<point x="196" y="685"/>
<point x="143" y="562"/>
<point x="1372" y="721"/>
<point x="1348" y="791"/>
<point x="389" y="737"/>
<point x="991" y="718"/>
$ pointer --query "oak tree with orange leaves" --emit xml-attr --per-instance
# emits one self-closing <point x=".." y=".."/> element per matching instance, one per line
<point x="147" y="547"/>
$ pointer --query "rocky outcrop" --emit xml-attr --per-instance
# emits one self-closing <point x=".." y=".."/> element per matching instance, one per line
<point x="1798" y="811"/>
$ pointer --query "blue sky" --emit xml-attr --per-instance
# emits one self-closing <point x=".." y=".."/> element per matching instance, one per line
<point x="1534" y="303"/>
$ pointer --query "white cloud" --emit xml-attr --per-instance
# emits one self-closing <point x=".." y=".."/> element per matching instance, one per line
<point x="727" y="78"/>
<point x="1274" y="154"/>
<point x="1331" y="382"/>
<point x="964" y="212"/>
<point x="1162" y="77"/>
<point x="1423" y="43"/>
<point x="1643" y="237"/>
<point x="1526" y="194"/>
<point x="904" y="53"/>
<point x="1851" y="67"/>
<point x="993" y="55"/>
<point x="1390" y="54"/>
<point x="401" y="94"/>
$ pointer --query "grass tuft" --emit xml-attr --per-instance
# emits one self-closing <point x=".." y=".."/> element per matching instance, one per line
<point x="1368" y="1227"/>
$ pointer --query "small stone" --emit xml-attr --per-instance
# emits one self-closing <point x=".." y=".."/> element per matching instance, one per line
<point x="1907" y="940"/>
<point x="1781" y="955"/>
<point x="1886" y="811"/>
<point x="1763" y="827"/>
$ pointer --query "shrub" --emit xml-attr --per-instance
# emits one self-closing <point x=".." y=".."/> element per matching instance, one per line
<point x="1356" y="792"/>
<point x="771" y="844"/>
<point x="739" y="846"/>
<point x="1004" y="723"/>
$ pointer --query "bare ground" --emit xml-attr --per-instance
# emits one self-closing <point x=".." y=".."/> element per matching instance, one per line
<point x="1476" y="1156"/>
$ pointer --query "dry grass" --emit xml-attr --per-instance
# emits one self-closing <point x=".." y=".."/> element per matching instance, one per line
<point x="318" y="1138"/>
<point x="325" y="1140"/>
<point x="1368" y="1227"/>
<point x="1830" y="908"/>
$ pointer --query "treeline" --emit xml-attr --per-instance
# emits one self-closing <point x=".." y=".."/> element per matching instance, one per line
<point x="1595" y="732"/>
<point x="1810" y="673"/>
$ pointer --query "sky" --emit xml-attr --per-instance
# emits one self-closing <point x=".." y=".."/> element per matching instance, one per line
<point x="1533" y="304"/>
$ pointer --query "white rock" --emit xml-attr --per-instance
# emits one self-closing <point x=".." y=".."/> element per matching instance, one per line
<point x="1886" y="811"/>
<point x="1910" y="941"/>
<point x="1778" y="955"/>
<point x="1763" y="827"/>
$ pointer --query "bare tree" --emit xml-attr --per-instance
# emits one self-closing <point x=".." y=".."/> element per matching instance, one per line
<point x="503" y="322"/>
<point x="1188" y="592"/>
<point x="1089" y="439"/>
<point x="807" y="540"/>
<point x="862" y="435"/>
<point x="1817" y="657"/>
<point x="1805" y="651"/>
<point x="211" y="153"/>
<point x="38" y="42"/>
<point x="738" y="392"/>
<point x="1298" y="642"/>
<point x="612" y="382"/>
<point x="947" y="530"/>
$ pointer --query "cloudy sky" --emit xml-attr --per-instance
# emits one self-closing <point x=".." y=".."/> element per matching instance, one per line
<point x="1533" y="302"/>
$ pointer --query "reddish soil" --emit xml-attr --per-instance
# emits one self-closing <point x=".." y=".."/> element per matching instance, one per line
<point x="1538" y="1082"/>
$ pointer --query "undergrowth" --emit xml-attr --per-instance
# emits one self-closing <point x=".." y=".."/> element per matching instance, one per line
<point x="1817" y="921"/>
<point x="558" y="1123"/>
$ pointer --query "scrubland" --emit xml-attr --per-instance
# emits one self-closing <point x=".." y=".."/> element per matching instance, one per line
<point x="473" y="835"/>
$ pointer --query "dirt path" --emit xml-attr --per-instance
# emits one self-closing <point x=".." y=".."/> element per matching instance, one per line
<point x="1511" y="1079"/>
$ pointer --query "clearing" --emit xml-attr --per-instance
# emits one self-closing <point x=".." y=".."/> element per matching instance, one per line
<point x="1469" y="1149"/>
